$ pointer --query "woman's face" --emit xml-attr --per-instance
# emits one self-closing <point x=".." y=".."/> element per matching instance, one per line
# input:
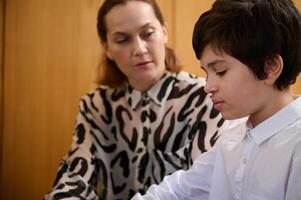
<point x="136" y="42"/>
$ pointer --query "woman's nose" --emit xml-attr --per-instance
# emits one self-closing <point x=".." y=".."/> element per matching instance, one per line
<point x="139" y="48"/>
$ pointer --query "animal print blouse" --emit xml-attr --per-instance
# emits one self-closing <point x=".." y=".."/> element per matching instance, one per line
<point x="126" y="140"/>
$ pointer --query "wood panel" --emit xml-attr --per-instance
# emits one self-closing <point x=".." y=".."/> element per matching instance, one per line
<point x="1" y="77"/>
<point x="297" y="3"/>
<point x="51" y="49"/>
<point x="187" y="13"/>
<point x="167" y="8"/>
<point x="297" y="86"/>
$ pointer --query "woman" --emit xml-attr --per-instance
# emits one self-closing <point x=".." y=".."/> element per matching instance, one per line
<point x="139" y="125"/>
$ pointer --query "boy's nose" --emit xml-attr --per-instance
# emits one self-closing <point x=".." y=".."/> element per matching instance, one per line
<point x="207" y="89"/>
<point x="210" y="87"/>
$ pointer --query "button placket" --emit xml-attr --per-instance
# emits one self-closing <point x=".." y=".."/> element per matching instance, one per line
<point x="241" y="170"/>
<point x="145" y="112"/>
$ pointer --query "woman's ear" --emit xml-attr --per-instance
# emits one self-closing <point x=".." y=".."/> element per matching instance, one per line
<point x="273" y="68"/>
<point x="165" y="32"/>
<point x="106" y="49"/>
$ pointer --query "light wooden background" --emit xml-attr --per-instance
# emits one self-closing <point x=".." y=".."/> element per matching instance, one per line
<point x="49" y="51"/>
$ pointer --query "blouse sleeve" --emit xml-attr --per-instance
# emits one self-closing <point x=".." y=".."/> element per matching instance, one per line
<point x="185" y="185"/>
<point x="78" y="171"/>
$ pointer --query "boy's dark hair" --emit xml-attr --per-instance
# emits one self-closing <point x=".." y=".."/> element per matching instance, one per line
<point x="253" y="31"/>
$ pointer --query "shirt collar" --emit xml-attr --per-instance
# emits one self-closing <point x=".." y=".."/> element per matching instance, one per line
<point x="275" y="123"/>
<point x="158" y="93"/>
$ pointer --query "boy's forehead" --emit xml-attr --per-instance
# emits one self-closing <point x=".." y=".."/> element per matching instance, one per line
<point x="210" y="54"/>
<point x="214" y="49"/>
<point x="211" y="58"/>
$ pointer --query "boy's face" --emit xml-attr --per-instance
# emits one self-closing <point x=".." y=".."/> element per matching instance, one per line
<point x="234" y="89"/>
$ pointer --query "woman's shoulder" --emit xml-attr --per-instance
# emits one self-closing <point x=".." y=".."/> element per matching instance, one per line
<point x="102" y="90"/>
<point x="103" y="93"/>
<point x="188" y="78"/>
<point x="94" y="91"/>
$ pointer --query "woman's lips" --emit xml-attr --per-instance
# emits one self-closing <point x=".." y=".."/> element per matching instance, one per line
<point x="143" y="63"/>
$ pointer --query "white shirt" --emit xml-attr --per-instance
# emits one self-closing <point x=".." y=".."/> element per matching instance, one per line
<point x="261" y="163"/>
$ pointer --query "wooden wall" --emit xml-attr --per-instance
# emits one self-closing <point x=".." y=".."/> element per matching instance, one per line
<point x="1" y="78"/>
<point x="48" y="56"/>
<point x="51" y="48"/>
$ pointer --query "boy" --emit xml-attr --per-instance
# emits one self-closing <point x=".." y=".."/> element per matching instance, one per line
<point x="251" y="53"/>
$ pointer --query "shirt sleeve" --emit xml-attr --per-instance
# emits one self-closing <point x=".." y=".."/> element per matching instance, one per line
<point x="77" y="175"/>
<point x="193" y="184"/>
<point x="294" y="179"/>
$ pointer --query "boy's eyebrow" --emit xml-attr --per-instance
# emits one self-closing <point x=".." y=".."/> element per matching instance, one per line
<point x="213" y="63"/>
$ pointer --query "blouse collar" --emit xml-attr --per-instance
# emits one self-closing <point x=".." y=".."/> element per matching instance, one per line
<point x="158" y="93"/>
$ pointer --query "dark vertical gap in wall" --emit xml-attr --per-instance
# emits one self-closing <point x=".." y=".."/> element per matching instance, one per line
<point x="2" y="57"/>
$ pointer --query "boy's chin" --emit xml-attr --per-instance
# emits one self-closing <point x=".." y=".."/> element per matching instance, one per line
<point x="232" y="117"/>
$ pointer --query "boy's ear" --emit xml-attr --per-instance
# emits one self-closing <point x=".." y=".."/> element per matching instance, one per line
<point x="273" y="68"/>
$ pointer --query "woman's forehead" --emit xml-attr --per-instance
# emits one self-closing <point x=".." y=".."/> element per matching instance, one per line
<point x="132" y="15"/>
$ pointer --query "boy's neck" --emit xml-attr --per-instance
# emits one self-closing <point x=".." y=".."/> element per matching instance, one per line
<point x="274" y="103"/>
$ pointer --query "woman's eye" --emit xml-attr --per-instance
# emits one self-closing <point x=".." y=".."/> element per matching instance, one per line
<point x="121" y="39"/>
<point x="147" y="34"/>
<point x="221" y="73"/>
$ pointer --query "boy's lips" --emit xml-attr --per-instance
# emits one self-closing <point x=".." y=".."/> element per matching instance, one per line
<point x="217" y="104"/>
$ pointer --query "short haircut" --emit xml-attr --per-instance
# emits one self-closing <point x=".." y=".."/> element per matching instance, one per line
<point x="253" y="31"/>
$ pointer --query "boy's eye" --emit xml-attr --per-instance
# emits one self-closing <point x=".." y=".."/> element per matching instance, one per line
<point x="221" y="73"/>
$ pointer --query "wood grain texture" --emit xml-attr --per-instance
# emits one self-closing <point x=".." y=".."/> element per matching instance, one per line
<point x="1" y="78"/>
<point x="51" y="48"/>
<point x="187" y="13"/>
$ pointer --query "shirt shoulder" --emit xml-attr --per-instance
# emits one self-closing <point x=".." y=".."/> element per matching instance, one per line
<point x="292" y="133"/>
<point x="297" y="124"/>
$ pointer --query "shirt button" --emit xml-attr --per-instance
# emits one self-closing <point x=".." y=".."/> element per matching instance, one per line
<point x="244" y="161"/>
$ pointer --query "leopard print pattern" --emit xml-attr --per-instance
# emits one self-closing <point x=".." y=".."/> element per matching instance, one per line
<point x="126" y="140"/>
